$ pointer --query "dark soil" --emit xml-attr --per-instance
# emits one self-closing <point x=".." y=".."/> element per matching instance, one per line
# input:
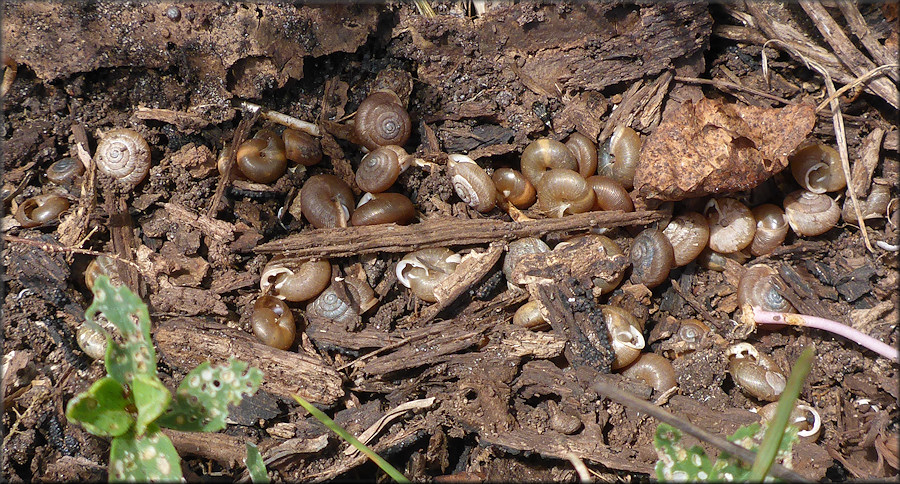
<point x="508" y="403"/>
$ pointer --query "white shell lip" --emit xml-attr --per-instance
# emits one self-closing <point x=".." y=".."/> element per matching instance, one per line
<point x="816" y="424"/>
<point x="365" y="198"/>
<point x="464" y="190"/>
<point x="401" y="269"/>
<point x="742" y="350"/>
<point x="271" y="273"/>
<point x="808" y="173"/>
<point x="460" y="158"/>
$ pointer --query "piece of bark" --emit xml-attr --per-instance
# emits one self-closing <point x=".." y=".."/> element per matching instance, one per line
<point x="185" y="343"/>
<point x="864" y="166"/>
<point x="227" y="450"/>
<point x="711" y="148"/>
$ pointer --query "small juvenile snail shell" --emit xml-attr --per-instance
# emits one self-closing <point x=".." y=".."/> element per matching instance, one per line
<point x="688" y="233"/>
<point x="330" y="305"/>
<point x="771" y="229"/>
<point x="529" y="316"/>
<point x="545" y="154"/>
<point x="383" y="208"/>
<point x="382" y="120"/>
<point x="714" y="261"/>
<point x="262" y="158"/>
<point x="472" y="184"/>
<point x="625" y="146"/>
<point x="755" y="373"/>
<point x="874" y="206"/>
<point x="101" y="266"/>
<point x="561" y="421"/>
<point x="519" y="248"/>
<point x="301" y="147"/>
<point x="624" y="333"/>
<point x="758" y="288"/>
<point x="295" y="281"/>
<point x="610" y="194"/>
<point x="273" y="323"/>
<point x="326" y="201"/>
<point x="803" y="416"/>
<point x="379" y="169"/>
<point x="612" y="250"/>
<point x="817" y="168"/>
<point x="65" y="171"/>
<point x="423" y="270"/>
<point x="691" y="330"/>
<point x="41" y="209"/>
<point x="514" y="187"/>
<point x="585" y="152"/>
<point x="731" y="225"/>
<point x="124" y="155"/>
<point x="810" y="213"/>
<point x="652" y="257"/>
<point x="562" y="191"/>
<point x="654" y="370"/>
<point x="91" y="341"/>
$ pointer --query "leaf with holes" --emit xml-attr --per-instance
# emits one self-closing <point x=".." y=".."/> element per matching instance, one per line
<point x="150" y="457"/>
<point x="202" y="399"/>
<point x="102" y="409"/>
<point x="151" y="398"/>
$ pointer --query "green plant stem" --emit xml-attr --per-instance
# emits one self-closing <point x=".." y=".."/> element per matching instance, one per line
<point x="383" y="464"/>
<point x="772" y="440"/>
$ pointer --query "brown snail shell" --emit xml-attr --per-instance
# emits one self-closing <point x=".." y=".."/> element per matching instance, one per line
<point x="423" y="270"/>
<point x="326" y="201"/>
<point x="380" y="168"/>
<point x="562" y="192"/>
<point x="124" y="155"/>
<point x="731" y="225"/>
<point x="91" y="341"/>
<point x="714" y="261"/>
<point x="612" y="250"/>
<point x="514" y="187"/>
<point x="585" y="152"/>
<point x="652" y="257"/>
<point x="618" y="159"/>
<point x="262" y="159"/>
<point x="874" y="206"/>
<point x="654" y="370"/>
<point x="295" y="281"/>
<point x="519" y="248"/>
<point x="625" y="335"/>
<point x="273" y="323"/>
<point x="771" y="229"/>
<point x="755" y="373"/>
<point x="65" y="171"/>
<point x="529" y="316"/>
<point x="688" y="233"/>
<point x="382" y="120"/>
<point x="383" y="208"/>
<point x="101" y="266"/>
<point x="41" y="209"/>
<point x="803" y="416"/>
<point x="331" y="305"/>
<point x="610" y="194"/>
<point x="810" y="213"/>
<point x="691" y="330"/>
<point x="471" y="183"/>
<point x="545" y="154"/>
<point x="758" y="288"/>
<point x="817" y="168"/>
<point x="301" y="147"/>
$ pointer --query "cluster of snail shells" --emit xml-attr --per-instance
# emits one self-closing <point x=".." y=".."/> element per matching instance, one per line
<point x="263" y="158"/>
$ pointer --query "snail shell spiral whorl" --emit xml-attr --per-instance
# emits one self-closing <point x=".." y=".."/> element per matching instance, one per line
<point x="124" y="155"/>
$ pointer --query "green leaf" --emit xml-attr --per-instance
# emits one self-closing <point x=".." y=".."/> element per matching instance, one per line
<point x="102" y="409"/>
<point x="150" y="457"/>
<point x="202" y="399"/>
<point x="151" y="398"/>
<point x="255" y="465"/>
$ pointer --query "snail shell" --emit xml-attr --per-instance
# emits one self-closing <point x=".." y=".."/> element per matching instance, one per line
<point x="330" y="305"/>
<point x="714" y="261"/>
<point x="610" y="194"/>
<point x="585" y="152"/>
<point x="423" y="270"/>
<point x="91" y="341"/>
<point x="326" y="201"/>
<point x="654" y="370"/>
<point x="612" y="250"/>
<point x="382" y="120"/>
<point x="519" y="248"/>
<point x="803" y="416"/>
<point x="65" y="171"/>
<point x="731" y="225"/>
<point x="562" y="191"/>
<point x="101" y="266"/>
<point x="874" y="206"/>
<point x="625" y="147"/>
<point x="771" y="229"/>
<point x="379" y="169"/>
<point x="529" y="316"/>
<point x="295" y="281"/>
<point x="545" y="154"/>
<point x="810" y="213"/>
<point x="273" y="323"/>
<point x="514" y="187"/>
<point x="41" y="209"/>
<point x="124" y="155"/>
<point x="301" y="147"/>
<point x="758" y="288"/>
<point x="262" y="159"/>
<point x="472" y="184"/>
<point x="688" y="233"/>
<point x="624" y="333"/>
<point x="563" y="422"/>
<point x="691" y="330"/>
<point x="383" y="208"/>
<point x="652" y="257"/>
<point x="817" y="168"/>
<point x="755" y="373"/>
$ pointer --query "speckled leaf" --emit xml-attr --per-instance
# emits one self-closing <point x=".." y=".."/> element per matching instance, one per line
<point x="151" y="398"/>
<point x="101" y="409"/>
<point x="255" y="465"/>
<point x="202" y="399"/>
<point x="150" y="457"/>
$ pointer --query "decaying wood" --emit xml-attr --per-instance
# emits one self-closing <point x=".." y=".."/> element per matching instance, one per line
<point x="225" y="449"/>
<point x="121" y="228"/>
<point x="438" y="232"/>
<point x="74" y="226"/>
<point x="864" y="166"/>
<point x="185" y="343"/>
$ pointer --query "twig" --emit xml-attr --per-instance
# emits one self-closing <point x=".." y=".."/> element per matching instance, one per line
<point x="760" y="316"/>
<point x="48" y="247"/>
<point x="580" y="468"/>
<point x="240" y="134"/>
<point x="616" y="394"/>
<point x="725" y="84"/>
<point x="859" y="80"/>
<point x="281" y="118"/>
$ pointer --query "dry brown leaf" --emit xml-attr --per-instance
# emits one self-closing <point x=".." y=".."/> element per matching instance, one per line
<point x="710" y="147"/>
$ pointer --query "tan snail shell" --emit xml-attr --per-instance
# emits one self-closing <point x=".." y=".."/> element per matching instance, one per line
<point x="758" y="288"/>
<point x="585" y="152"/>
<point x="874" y="206"/>
<point x="382" y="120"/>
<point x="625" y="147"/>
<point x="715" y="261"/>
<point x="101" y="266"/>
<point x="817" y="168"/>
<point x="383" y="208"/>
<point x="379" y="169"/>
<point x="562" y="192"/>
<point x="423" y="270"/>
<point x="610" y="194"/>
<point x="688" y="233"/>
<point x="124" y="155"/>
<point x="545" y="154"/>
<point x="755" y="373"/>
<point x="331" y="305"/>
<point x="471" y="183"/>
<point x="529" y="316"/>
<point x="654" y="370"/>
<point x="519" y="248"/>
<point x="301" y="147"/>
<point x="612" y="250"/>
<point x="326" y="201"/>
<point x="771" y="229"/>
<point x="295" y="281"/>
<point x="803" y="416"/>
<point x="273" y="323"/>
<point x="731" y="225"/>
<point x="262" y="159"/>
<point x="91" y="341"/>
<point x="810" y="213"/>
<point x="514" y="187"/>
<point x="41" y="209"/>
<point x="652" y="257"/>
<point x="625" y="335"/>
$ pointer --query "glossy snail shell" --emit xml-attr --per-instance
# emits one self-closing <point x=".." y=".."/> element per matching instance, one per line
<point x="731" y="225"/>
<point x="295" y="281"/>
<point x="124" y="155"/>
<point x="562" y="192"/>
<point x="380" y="168"/>
<point x="545" y="154"/>
<point x="771" y="229"/>
<point x="610" y="194"/>
<point x="41" y="209"/>
<point x="618" y="159"/>
<point x="652" y="257"/>
<point x="472" y="184"/>
<point x="585" y="152"/>
<point x="529" y="316"/>
<point x="654" y="370"/>
<point x="423" y="270"/>
<point x="65" y="171"/>
<point x="625" y="334"/>
<point x="688" y="233"/>
<point x="691" y="330"/>
<point x="514" y="187"/>
<point x="755" y="373"/>
<point x="301" y="147"/>
<point x="273" y="323"/>
<point x="383" y="208"/>
<point x="326" y="201"/>
<point x="758" y="288"/>
<point x="382" y="120"/>
<point x="262" y="159"/>
<point x="817" y="168"/>
<point x="810" y="213"/>
<point x="101" y="266"/>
